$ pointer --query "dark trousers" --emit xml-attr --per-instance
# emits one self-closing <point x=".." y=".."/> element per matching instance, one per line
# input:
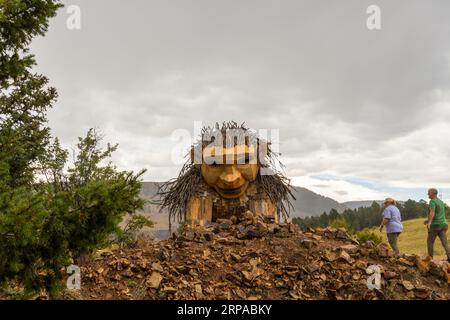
<point x="442" y="234"/>
<point x="393" y="238"/>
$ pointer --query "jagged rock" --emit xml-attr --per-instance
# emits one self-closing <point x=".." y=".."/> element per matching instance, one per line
<point x="251" y="232"/>
<point x="341" y="233"/>
<point x="388" y="275"/>
<point x="350" y="248"/>
<point x="447" y="275"/>
<point x="208" y="235"/>
<point x="307" y="243"/>
<point x="125" y="263"/>
<point x="360" y="264"/>
<point x="344" y="256"/>
<point x="312" y="267"/>
<point x="410" y="257"/>
<point x="437" y="268"/>
<point x="293" y="228"/>
<point x="128" y="273"/>
<point x="330" y="256"/>
<point x="408" y="285"/>
<point x="157" y="267"/>
<point x="223" y="224"/>
<point x="162" y="255"/>
<point x="422" y="292"/>
<point x="155" y="280"/>
<point x="423" y="264"/>
<point x="261" y="227"/>
<point x="248" y="215"/>
<point x="384" y="251"/>
<point x="235" y="256"/>
<point x="169" y="289"/>
<point x="406" y="262"/>
<point x="402" y="268"/>
<point x="227" y="241"/>
<point x="369" y="244"/>
<point x="253" y="274"/>
<point x="319" y="231"/>
<point x="72" y="294"/>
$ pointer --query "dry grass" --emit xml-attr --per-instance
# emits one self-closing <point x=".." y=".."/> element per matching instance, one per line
<point x="414" y="239"/>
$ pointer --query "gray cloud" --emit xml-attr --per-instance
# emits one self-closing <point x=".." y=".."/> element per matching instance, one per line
<point x="353" y="102"/>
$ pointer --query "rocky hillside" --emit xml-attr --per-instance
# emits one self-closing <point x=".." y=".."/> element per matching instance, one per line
<point x="249" y="258"/>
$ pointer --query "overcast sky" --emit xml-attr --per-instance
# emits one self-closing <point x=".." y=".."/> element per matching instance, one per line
<point x="362" y="114"/>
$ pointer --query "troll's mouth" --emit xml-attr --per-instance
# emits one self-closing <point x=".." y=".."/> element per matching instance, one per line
<point x="230" y="192"/>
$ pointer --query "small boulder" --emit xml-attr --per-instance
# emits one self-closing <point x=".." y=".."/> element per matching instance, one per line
<point x="350" y="248"/>
<point x="344" y="256"/>
<point x="154" y="281"/>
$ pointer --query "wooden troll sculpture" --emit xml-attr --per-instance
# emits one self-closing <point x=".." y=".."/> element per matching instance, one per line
<point x="230" y="171"/>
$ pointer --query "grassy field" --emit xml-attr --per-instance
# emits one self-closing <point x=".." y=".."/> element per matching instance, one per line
<point x="414" y="239"/>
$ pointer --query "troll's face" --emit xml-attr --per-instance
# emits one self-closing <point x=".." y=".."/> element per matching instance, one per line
<point x="229" y="170"/>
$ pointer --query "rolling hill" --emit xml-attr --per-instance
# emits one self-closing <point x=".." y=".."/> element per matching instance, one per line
<point x="308" y="203"/>
<point x="414" y="239"/>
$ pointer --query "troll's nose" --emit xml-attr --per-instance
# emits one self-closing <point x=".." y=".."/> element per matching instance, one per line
<point x="230" y="175"/>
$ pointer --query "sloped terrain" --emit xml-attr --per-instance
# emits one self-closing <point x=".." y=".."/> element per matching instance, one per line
<point x="414" y="239"/>
<point x="255" y="259"/>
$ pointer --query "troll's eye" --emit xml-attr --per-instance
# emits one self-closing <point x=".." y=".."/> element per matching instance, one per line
<point x="248" y="159"/>
<point x="214" y="164"/>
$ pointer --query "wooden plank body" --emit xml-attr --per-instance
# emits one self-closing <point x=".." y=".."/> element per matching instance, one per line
<point x="209" y="206"/>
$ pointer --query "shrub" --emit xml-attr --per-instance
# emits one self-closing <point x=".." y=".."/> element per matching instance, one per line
<point x="66" y="215"/>
<point x="128" y="235"/>
<point x="368" y="235"/>
<point x="181" y="227"/>
<point x="339" y="223"/>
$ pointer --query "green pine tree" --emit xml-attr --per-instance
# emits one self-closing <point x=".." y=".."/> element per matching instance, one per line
<point x="49" y="216"/>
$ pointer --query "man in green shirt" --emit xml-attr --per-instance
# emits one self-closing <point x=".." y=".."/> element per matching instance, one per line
<point x="436" y="223"/>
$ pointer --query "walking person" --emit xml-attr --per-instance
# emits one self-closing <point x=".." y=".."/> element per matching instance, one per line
<point x="436" y="223"/>
<point x="393" y="222"/>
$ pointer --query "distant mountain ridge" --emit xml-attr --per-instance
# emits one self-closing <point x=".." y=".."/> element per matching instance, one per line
<point x="364" y="203"/>
<point x="306" y="203"/>
<point x="309" y="203"/>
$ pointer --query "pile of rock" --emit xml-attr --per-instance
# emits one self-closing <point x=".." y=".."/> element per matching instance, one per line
<point x="252" y="258"/>
<point x="247" y="226"/>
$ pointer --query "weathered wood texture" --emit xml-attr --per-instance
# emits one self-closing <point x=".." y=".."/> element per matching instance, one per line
<point x="209" y="206"/>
